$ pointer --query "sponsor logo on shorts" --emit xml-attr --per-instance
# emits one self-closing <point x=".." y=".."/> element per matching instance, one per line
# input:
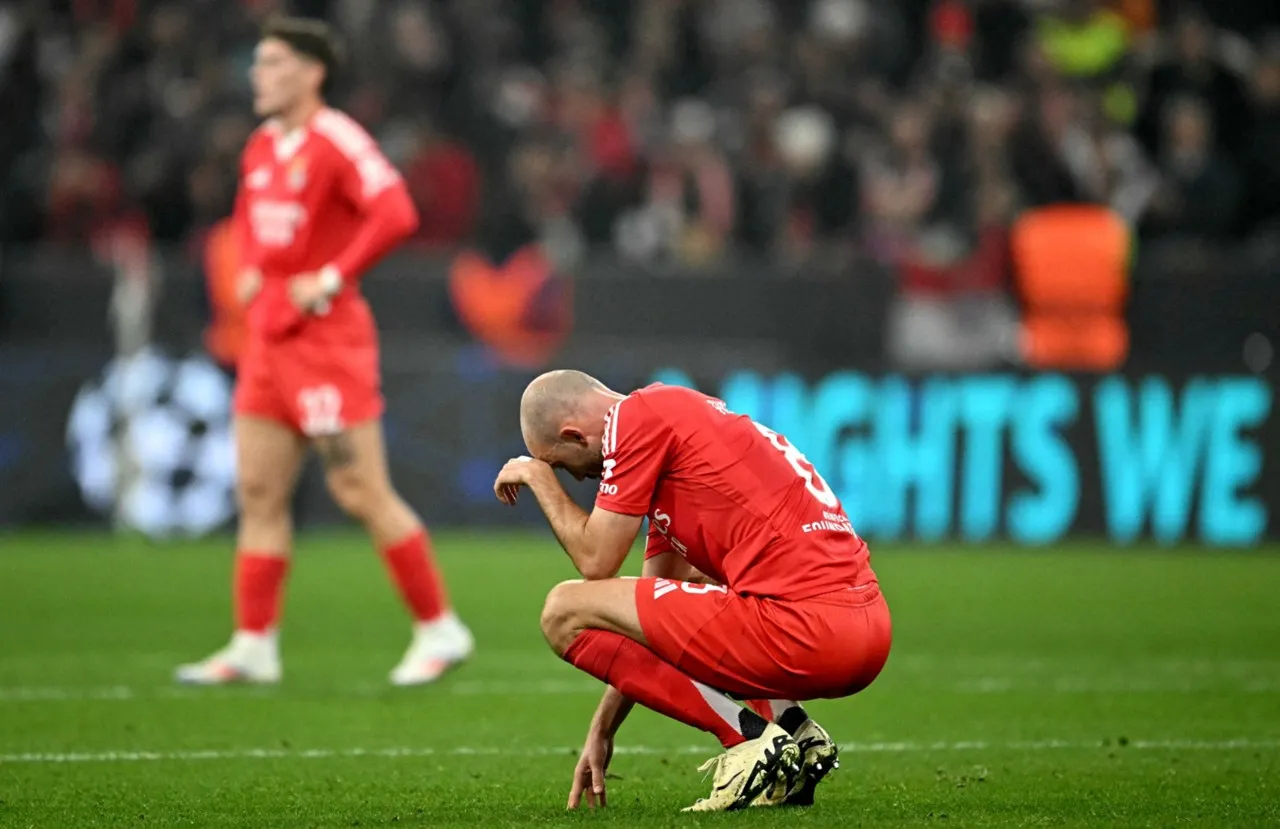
<point x="662" y="587"/>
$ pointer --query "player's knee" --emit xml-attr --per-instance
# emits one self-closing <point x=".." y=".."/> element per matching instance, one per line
<point x="262" y="494"/>
<point x="560" y="617"/>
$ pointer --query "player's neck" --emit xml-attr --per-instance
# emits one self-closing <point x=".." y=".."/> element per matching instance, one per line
<point x="300" y="115"/>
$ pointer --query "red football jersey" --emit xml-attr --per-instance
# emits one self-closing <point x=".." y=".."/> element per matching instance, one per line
<point x="312" y="198"/>
<point x="734" y="498"/>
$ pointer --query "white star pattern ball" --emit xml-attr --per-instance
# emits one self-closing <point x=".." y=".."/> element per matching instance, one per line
<point x="170" y="420"/>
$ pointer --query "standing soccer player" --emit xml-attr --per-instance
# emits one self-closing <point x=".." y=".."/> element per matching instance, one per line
<point x="318" y="205"/>
<point x="755" y="583"/>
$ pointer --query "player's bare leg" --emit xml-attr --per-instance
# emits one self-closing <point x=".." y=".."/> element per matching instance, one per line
<point x="355" y="463"/>
<point x="595" y="626"/>
<point x="268" y="456"/>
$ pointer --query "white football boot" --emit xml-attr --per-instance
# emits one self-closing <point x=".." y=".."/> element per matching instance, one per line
<point x="819" y="756"/>
<point x="437" y="646"/>
<point x="751" y="770"/>
<point x="250" y="657"/>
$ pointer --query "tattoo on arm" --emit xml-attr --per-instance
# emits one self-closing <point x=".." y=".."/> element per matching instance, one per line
<point x="336" y="451"/>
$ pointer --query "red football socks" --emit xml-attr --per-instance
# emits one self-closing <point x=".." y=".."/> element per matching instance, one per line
<point x="259" y="583"/>
<point x="640" y="675"/>
<point x="786" y="713"/>
<point x="413" y="568"/>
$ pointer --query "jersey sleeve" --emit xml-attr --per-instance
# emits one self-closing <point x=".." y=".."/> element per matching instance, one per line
<point x="655" y="543"/>
<point x="363" y="173"/>
<point x="366" y="180"/>
<point x="242" y="230"/>
<point x="637" y="447"/>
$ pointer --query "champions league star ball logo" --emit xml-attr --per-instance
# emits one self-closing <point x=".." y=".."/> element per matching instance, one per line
<point x="151" y="441"/>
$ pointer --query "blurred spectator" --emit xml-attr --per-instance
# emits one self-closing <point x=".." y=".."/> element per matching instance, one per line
<point x="1000" y="27"/>
<point x="903" y="181"/>
<point x="84" y="197"/>
<point x="1195" y="67"/>
<point x="807" y="131"/>
<point x="423" y="71"/>
<point x="1199" y="192"/>
<point x="1262" y="145"/>
<point x="1071" y="153"/>
<point x="953" y="310"/>
<point x="444" y="180"/>
<point x="990" y="129"/>
<point x="799" y="193"/>
<point x="533" y="206"/>
<point x="689" y="201"/>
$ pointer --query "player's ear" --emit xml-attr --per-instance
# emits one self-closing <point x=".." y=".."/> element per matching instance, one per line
<point x="572" y="434"/>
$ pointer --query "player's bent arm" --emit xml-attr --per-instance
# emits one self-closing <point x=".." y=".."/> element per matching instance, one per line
<point x="242" y="231"/>
<point x="610" y="713"/>
<point x="597" y="543"/>
<point x="607" y="539"/>
<point x="389" y="219"/>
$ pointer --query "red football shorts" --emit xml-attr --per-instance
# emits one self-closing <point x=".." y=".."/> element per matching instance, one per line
<point x="827" y="646"/>
<point x="314" y="386"/>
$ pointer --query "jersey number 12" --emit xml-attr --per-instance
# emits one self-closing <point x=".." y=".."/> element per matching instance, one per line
<point x="812" y="480"/>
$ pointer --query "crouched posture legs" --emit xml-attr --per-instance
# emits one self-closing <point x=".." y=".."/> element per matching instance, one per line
<point x="627" y="633"/>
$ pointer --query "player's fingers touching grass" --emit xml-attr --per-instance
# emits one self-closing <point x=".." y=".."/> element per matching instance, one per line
<point x="589" y="775"/>
<point x="588" y="782"/>
<point x="582" y="782"/>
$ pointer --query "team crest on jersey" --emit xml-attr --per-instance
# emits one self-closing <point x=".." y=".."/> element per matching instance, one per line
<point x="297" y="176"/>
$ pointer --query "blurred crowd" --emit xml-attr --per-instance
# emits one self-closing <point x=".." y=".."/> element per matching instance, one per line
<point x="809" y="131"/>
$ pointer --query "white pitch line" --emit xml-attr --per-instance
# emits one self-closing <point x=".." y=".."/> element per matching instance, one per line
<point x="1242" y="744"/>
<point x="989" y="685"/>
<point x="37" y="694"/>
<point x="124" y="693"/>
<point x="1118" y="684"/>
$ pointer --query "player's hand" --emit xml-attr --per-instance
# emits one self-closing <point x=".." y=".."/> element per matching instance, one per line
<point x="588" y="776"/>
<point x="518" y="472"/>
<point x="248" y="286"/>
<point x="308" y="293"/>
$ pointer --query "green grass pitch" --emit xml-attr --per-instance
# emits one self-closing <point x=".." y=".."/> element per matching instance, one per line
<point x="1075" y="686"/>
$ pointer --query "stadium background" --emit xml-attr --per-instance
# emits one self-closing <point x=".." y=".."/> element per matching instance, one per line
<point x="706" y="188"/>
<point x="817" y="210"/>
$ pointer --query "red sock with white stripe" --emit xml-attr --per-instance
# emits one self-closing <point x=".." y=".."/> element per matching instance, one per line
<point x="639" y="674"/>
<point x="258" y="585"/>
<point x="786" y="713"/>
<point x="413" y="568"/>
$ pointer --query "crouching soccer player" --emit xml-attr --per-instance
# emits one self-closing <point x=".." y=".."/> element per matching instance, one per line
<point x="789" y="608"/>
